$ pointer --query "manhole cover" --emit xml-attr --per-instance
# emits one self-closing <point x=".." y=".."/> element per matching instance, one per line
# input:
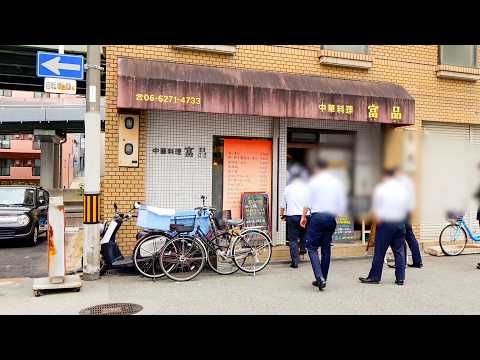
<point x="112" y="309"/>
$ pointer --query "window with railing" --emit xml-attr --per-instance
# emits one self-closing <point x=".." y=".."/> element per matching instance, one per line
<point x="5" y="141"/>
<point x="5" y="165"/>
<point x="458" y="55"/>
<point x="361" y="49"/>
<point x="36" y="168"/>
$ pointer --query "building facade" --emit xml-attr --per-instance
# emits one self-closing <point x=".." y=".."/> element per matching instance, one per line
<point x="222" y="120"/>
<point x="19" y="159"/>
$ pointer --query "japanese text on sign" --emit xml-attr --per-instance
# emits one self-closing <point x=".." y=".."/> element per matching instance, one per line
<point x="187" y="151"/>
<point x="333" y="108"/>
<point x="247" y="168"/>
<point x="373" y="111"/>
<point x="168" y="99"/>
<point x="396" y="113"/>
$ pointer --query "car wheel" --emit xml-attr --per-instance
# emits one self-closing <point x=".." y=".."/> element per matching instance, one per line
<point x="34" y="238"/>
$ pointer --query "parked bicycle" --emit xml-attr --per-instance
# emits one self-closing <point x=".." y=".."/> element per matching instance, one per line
<point x="453" y="237"/>
<point x="202" y="238"/>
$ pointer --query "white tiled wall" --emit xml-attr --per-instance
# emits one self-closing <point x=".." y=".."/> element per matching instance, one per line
<point x="177" y="181"/>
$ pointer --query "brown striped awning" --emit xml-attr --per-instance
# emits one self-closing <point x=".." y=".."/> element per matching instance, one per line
<point x="147" y="84"/>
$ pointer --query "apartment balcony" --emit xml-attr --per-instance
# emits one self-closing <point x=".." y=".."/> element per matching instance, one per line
<point x="20" y="173"/>
<point x="20" y="149"/>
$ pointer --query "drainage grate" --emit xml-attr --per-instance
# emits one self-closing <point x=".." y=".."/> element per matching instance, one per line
<point x="112" y="309"/>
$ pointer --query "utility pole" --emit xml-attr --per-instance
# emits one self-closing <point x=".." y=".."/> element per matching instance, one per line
<point x="91" y="197"/>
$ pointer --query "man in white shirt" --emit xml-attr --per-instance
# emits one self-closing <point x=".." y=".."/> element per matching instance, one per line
<point x="326" y="200"/>
<point x="294" y="199"/>
<point x="390" y="207"/>
<point x="406" y="180"/>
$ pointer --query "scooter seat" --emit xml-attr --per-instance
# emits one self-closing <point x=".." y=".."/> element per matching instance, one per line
<point x="234" y="222"/>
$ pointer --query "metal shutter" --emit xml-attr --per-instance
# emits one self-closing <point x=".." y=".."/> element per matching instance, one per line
<point x="475" y="173"/>
<point x="444" y="174"/>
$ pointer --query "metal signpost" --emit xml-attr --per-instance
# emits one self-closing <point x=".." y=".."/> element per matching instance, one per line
<point x="60" y="72"/>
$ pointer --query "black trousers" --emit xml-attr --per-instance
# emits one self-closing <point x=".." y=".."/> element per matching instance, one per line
<point x="412" y="243"/>
<point x="389" y="234"/>
<point x="295" y="233"/>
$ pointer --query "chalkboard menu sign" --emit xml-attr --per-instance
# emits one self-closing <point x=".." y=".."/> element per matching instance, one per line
<point x="344" y="231"/>
<point x="255" y="210"/>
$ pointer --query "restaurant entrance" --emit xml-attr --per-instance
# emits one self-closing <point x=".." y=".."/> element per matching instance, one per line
<point x="335" y="147"/>
<point x="338" y="149"/>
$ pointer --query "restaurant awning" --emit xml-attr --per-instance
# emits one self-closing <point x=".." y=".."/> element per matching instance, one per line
<point x="147" y="84"/>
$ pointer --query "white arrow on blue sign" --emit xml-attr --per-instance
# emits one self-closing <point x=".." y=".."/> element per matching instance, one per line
<point x="63" y="66"/>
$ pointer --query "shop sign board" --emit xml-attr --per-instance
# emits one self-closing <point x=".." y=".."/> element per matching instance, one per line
<point x="255" y="210"/>
<point x="247" y="167"/>
<point x="344" y="231"/>
<point x="146" y="84"/>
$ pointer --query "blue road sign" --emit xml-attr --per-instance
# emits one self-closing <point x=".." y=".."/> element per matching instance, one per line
<point x="59" y="65"/>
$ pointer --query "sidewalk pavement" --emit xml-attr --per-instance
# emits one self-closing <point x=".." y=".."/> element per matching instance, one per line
<point x="446" y="285"/>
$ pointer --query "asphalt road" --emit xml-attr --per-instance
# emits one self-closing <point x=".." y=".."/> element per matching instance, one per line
<point x="446" y="285"/>
<point x="23" y="261"/>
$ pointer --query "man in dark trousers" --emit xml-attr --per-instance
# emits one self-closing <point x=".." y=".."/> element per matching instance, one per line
<point x="326" y="200"/>
<point x="294" y="199"/>
<point x="406" y="180"/>
<point x="390" y="206"/>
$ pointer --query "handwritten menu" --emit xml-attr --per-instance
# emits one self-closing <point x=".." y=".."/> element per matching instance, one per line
<point x="255" y="210"/>
<point x="344" y="231"/>
<point x="247" y="167"/>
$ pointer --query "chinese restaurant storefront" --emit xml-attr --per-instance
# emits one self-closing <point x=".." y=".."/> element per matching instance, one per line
<point x="227" y="132"/>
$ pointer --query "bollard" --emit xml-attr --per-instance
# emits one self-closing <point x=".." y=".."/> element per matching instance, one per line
<point x="56" y="252"/>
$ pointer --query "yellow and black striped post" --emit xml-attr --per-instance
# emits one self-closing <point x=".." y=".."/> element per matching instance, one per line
<point x="91" y="208"/>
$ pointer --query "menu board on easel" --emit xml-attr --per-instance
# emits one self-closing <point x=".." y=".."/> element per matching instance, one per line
<point x="247" y="167"/>
<point x="344" y="232"/>
<point x="255" y="210"/>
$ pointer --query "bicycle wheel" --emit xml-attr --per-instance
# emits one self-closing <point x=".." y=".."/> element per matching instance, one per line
<point x="453" y="240"/>
<point x="182" y="258"/>
<point x="218" y="259"/>
<point x="252" y="250"/>
<point x="146" y="256"/>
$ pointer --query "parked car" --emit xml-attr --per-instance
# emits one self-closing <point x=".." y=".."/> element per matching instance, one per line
<point x="23" y="213"/>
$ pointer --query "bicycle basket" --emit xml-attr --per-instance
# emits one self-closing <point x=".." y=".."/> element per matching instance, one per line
<point x="454" y="216"/>
<point x="183" y="221"/>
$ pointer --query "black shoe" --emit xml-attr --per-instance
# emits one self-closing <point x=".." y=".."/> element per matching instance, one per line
<point x="478" y="266"/>
<point x="366" y="280"/>
<point x="399" y="282"/>
<point x="320" y="285"/>
<point x="418" y="266"/>
<point x="294" y="266"/>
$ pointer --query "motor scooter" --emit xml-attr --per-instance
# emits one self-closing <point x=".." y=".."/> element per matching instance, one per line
<point x="111" y="255"/>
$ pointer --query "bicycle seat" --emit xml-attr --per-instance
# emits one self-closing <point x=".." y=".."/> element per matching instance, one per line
<point x="234" y="222"/>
